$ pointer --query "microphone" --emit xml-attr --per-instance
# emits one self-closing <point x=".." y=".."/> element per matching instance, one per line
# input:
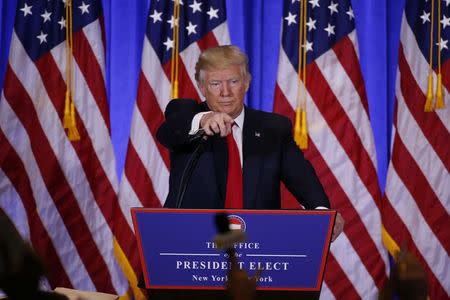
<point x="226" y="238"/>
<point x="200" y="134"/>
<point x="239" y="284"/>
<point x="222" y="223"/>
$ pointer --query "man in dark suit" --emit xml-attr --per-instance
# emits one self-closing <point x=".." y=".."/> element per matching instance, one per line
<point x="267" y="151"/>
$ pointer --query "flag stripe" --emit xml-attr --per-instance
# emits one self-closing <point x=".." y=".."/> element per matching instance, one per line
<point x="154" y="73"/>
<point x="14" y="169"/>
<point x="140" y="180"/>
<point x="91" y="33"/>
<point x="428" y="203"/>
<point x="399" y="230"/>
<point x="354" y="268"/>
<point x="151" y="113"/>
<point x="343" y="129"/>
<point x="343" y="288"/>
<point x="207" y="41"/>
<point x="128" y="192"/>
<point x="11" y="204"/>
<point x="348" y="99"/>
<point x="445" y="71"/>
<point x="221" y="34"/>
<point x="56" y="182"/>
<point x="92" y="73"/>
<point x="145" y="147"/>
<point x="413" y="229"/>
<point x="432" y="127"/>
<point x="424" y="155"/>
<point x="345" y="52"/>
<point x="325" y="293"/>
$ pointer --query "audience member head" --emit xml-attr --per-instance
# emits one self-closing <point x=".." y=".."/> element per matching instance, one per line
<point x="407" y="280"/>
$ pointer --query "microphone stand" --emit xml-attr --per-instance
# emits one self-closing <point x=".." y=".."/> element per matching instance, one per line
<point x="190" y="166"/>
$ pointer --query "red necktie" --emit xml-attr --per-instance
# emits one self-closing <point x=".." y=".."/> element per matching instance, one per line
<point x="234" y="198"/>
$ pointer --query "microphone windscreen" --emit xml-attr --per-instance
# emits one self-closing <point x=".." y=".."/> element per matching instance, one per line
<point x="222" y="223"/>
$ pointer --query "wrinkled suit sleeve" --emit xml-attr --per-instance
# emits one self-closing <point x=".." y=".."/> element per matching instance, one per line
<point x="174" y="132"/>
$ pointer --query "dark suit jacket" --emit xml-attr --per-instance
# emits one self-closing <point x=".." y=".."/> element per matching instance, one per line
<point x="270" y="155"/>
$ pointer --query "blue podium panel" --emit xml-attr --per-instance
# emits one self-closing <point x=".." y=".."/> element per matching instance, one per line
<point x="177" y="251"/>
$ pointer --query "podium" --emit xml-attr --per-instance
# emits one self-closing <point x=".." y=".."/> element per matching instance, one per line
<point x="180" y="260"/>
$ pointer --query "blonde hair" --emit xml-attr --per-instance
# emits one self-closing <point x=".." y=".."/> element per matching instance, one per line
<point x="221" y="57"/>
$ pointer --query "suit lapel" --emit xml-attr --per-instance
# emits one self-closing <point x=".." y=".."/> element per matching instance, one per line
<point x="252" y="141"/>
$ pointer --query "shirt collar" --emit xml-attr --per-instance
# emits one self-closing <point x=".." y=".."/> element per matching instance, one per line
<point x="239" y="120"/>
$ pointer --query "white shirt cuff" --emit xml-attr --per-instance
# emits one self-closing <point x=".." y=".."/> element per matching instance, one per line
<point x="195" y="125"/>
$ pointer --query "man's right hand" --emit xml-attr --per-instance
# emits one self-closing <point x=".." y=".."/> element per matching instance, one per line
<point x="216" y="123"/>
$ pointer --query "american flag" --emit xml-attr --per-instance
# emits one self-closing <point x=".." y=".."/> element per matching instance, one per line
<point x="60" y="194"/>
<point x="203" y="24"/>
<point x="341" y="146"/>
<point x="416" y="201"/>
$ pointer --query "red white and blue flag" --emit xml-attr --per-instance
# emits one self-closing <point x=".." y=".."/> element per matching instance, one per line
<point x="341" y="145"/>
<point x="416" y="203"/>
<point x="203" y="24"/>
<point x="60" y="194"/>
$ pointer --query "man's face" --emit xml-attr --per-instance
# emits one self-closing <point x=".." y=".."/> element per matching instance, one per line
<point x="224" y="90"/>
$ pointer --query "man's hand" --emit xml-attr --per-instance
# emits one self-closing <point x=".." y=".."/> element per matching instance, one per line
<point x="338" y="227"/>
<point x="216" y="123"/>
